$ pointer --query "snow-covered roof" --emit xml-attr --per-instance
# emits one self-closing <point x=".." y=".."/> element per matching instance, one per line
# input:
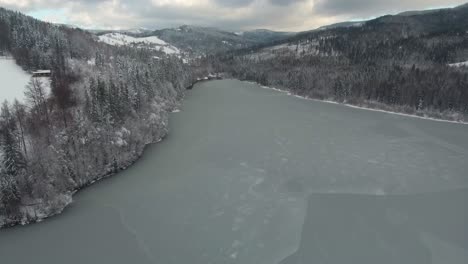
<point x="42" y="72"/>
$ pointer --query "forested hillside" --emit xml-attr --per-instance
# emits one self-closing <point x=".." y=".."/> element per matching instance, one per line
<point x="104" y="105"/>
<point x="398" y="63"/>
<point x="200" y="41"/>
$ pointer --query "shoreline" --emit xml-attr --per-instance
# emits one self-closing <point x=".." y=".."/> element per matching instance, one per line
<point x="360" y="107"/>
<point x="59" y="210"/>
<point x="56" y="206"/>
<point x="42" y="210"/>
<point x="210" y="77"/>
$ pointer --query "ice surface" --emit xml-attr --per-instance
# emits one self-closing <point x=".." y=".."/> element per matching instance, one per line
<point x="254" y="176"/>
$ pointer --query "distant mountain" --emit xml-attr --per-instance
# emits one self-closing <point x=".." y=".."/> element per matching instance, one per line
<point x="421" y="12"/>
<point x="197" y="40"/>
<point x="200" y="40"/>
<point x="130" y="31"/>
<point x="444" y="23"/>
<point x="137" y="30"/>
<point x="265" y="35"/>
<point x="343" y="25"/>
<point x="462" y="6"/>
<point x="193" y="39"/>
<point x="430" y="11"/>
<point x="204" y="40"/>
<point x="435" y="35"/>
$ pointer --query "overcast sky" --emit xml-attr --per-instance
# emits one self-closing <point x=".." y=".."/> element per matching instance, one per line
<point x="290" y="15"/>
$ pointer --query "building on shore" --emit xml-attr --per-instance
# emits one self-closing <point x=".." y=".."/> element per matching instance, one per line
<point x="41" y="73"/>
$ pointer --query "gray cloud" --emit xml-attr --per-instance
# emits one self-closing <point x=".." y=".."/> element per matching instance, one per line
<point x="359" y="8"/>
<point x="285" y="2"/>
<point x="227" y="14"/>
<point x="234" y="3"/>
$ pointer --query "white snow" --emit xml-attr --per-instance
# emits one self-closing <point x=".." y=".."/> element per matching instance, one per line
<point x="46" y="82"/>
<point x="120" y="142"/>
<point x="42" y="72"/>
<point x="170" y="50"/>
<point x="92" y="62"/>
<point x="122" y="39"/>
<point x="13" y="80"/>
<point x="459" y="64"/>
<point x="118" y="39"/>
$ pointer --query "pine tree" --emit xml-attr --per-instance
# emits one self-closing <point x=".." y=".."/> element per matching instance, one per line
<point x="13" y="160"/>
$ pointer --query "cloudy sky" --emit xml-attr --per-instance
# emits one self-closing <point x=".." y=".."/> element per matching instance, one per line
<point x="290" y="15"/>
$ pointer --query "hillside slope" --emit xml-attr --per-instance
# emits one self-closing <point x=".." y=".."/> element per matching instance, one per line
<point x="398" y="63"/>
<point x="151" y="42"/>
<point x="203" y="40"/>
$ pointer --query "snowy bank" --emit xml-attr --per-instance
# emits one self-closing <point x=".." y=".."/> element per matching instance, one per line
<point x="454" y="118"/>
<point x="459" y="64"/>
<point x="209" y="77"/>
<point x="36" y="211"/>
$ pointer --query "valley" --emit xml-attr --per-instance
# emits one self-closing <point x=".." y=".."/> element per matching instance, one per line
<point x="186" y="132"/>
<point x="197" y="144"/>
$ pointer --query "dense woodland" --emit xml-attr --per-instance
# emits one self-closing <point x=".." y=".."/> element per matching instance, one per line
<point x="398" y="63"/>
<point x="104" y="105"/>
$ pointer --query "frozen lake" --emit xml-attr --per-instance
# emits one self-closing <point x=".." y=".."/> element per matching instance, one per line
<point x="13" y="80"/>
<point x="250" y="175"/>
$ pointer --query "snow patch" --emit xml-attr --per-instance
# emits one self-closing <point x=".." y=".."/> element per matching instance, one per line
<point x="153" y="42"/>
<point x="120" y="142"/>
<point x="14" y="80"/>
<point x="122" y="39"/>
<point x="459" y="64"/>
